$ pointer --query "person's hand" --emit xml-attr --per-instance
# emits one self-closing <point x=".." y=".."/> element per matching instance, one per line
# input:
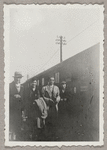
<point x="65" y="99"/>
<point x="34" y="102"/>
<point x="51" y="100"/>
<point x="17" y="96"/>
<point x="44" y="115"/>
<point x="24" y="118"/>
<point x="58" y="99"/>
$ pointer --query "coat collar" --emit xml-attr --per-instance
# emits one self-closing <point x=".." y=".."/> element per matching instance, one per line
<point x="49" y="90"/>
<point x="21" y="87"/>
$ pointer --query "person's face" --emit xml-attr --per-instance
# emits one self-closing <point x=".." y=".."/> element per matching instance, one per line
<point x="34" y="84"/>
<point x="64" y="86"/>
<point x="51" y="81"/>
<point x="17" y="80"/>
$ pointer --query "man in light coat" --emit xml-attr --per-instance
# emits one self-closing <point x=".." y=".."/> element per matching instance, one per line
<point x="51" y="96"/>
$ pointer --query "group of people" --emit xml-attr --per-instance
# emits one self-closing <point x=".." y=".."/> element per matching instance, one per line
<point x="37" y="115"/>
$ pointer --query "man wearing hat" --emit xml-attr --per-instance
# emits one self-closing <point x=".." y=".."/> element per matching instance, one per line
<point x="64" y="99"/>
<point x="63" y="110"/>
<point x="16" y="93"/>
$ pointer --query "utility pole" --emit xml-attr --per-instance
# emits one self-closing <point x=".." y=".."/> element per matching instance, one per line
<point x="61" y="40"/>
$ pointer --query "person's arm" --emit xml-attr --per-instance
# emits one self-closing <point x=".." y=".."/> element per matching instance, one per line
<point x="38" y="92"/>
<point x="24" y="117"/>
<point x="58" y="96"/>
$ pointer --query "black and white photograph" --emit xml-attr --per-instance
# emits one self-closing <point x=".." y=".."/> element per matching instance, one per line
<point x="53" y="75"/>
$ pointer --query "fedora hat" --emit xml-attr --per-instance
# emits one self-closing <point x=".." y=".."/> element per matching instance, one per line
<point x="17" y="75"/>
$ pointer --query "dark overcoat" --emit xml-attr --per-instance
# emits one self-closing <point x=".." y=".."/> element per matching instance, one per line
<point x="15" y="108"/>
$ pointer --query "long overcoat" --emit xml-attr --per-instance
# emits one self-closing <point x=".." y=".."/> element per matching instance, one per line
<point x="52" y="106"/>
<point x="15" y="108"/>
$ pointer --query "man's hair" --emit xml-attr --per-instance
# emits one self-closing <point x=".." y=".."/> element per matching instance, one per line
<point x="33" y="80"/>
<point x="51" y="77"/>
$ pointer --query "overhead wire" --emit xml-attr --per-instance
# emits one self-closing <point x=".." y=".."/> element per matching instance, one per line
<point x="48" y="60"/>
<point x="82" y="31"/>
<point x="68" y="42"/>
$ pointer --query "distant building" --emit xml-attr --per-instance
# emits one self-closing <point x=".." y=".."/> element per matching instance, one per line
<point x="81" y="72"/>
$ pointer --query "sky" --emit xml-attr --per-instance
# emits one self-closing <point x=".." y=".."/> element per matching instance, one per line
<point x="33" y="32"/>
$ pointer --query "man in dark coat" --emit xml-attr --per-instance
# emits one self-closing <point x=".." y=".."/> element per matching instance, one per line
<point x="16" y="93"/>
<point x="63" y="111"/>
<point x="35" y="111"/>
<point x="64" y="94"/>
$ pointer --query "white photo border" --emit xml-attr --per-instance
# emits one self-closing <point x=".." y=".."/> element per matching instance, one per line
<point x="7" y="72"/>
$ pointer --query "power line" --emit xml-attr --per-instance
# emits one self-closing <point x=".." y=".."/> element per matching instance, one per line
<point x="48" y="60"/>
<point x="67" y="42"/>
<point x="82" y="31"/>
